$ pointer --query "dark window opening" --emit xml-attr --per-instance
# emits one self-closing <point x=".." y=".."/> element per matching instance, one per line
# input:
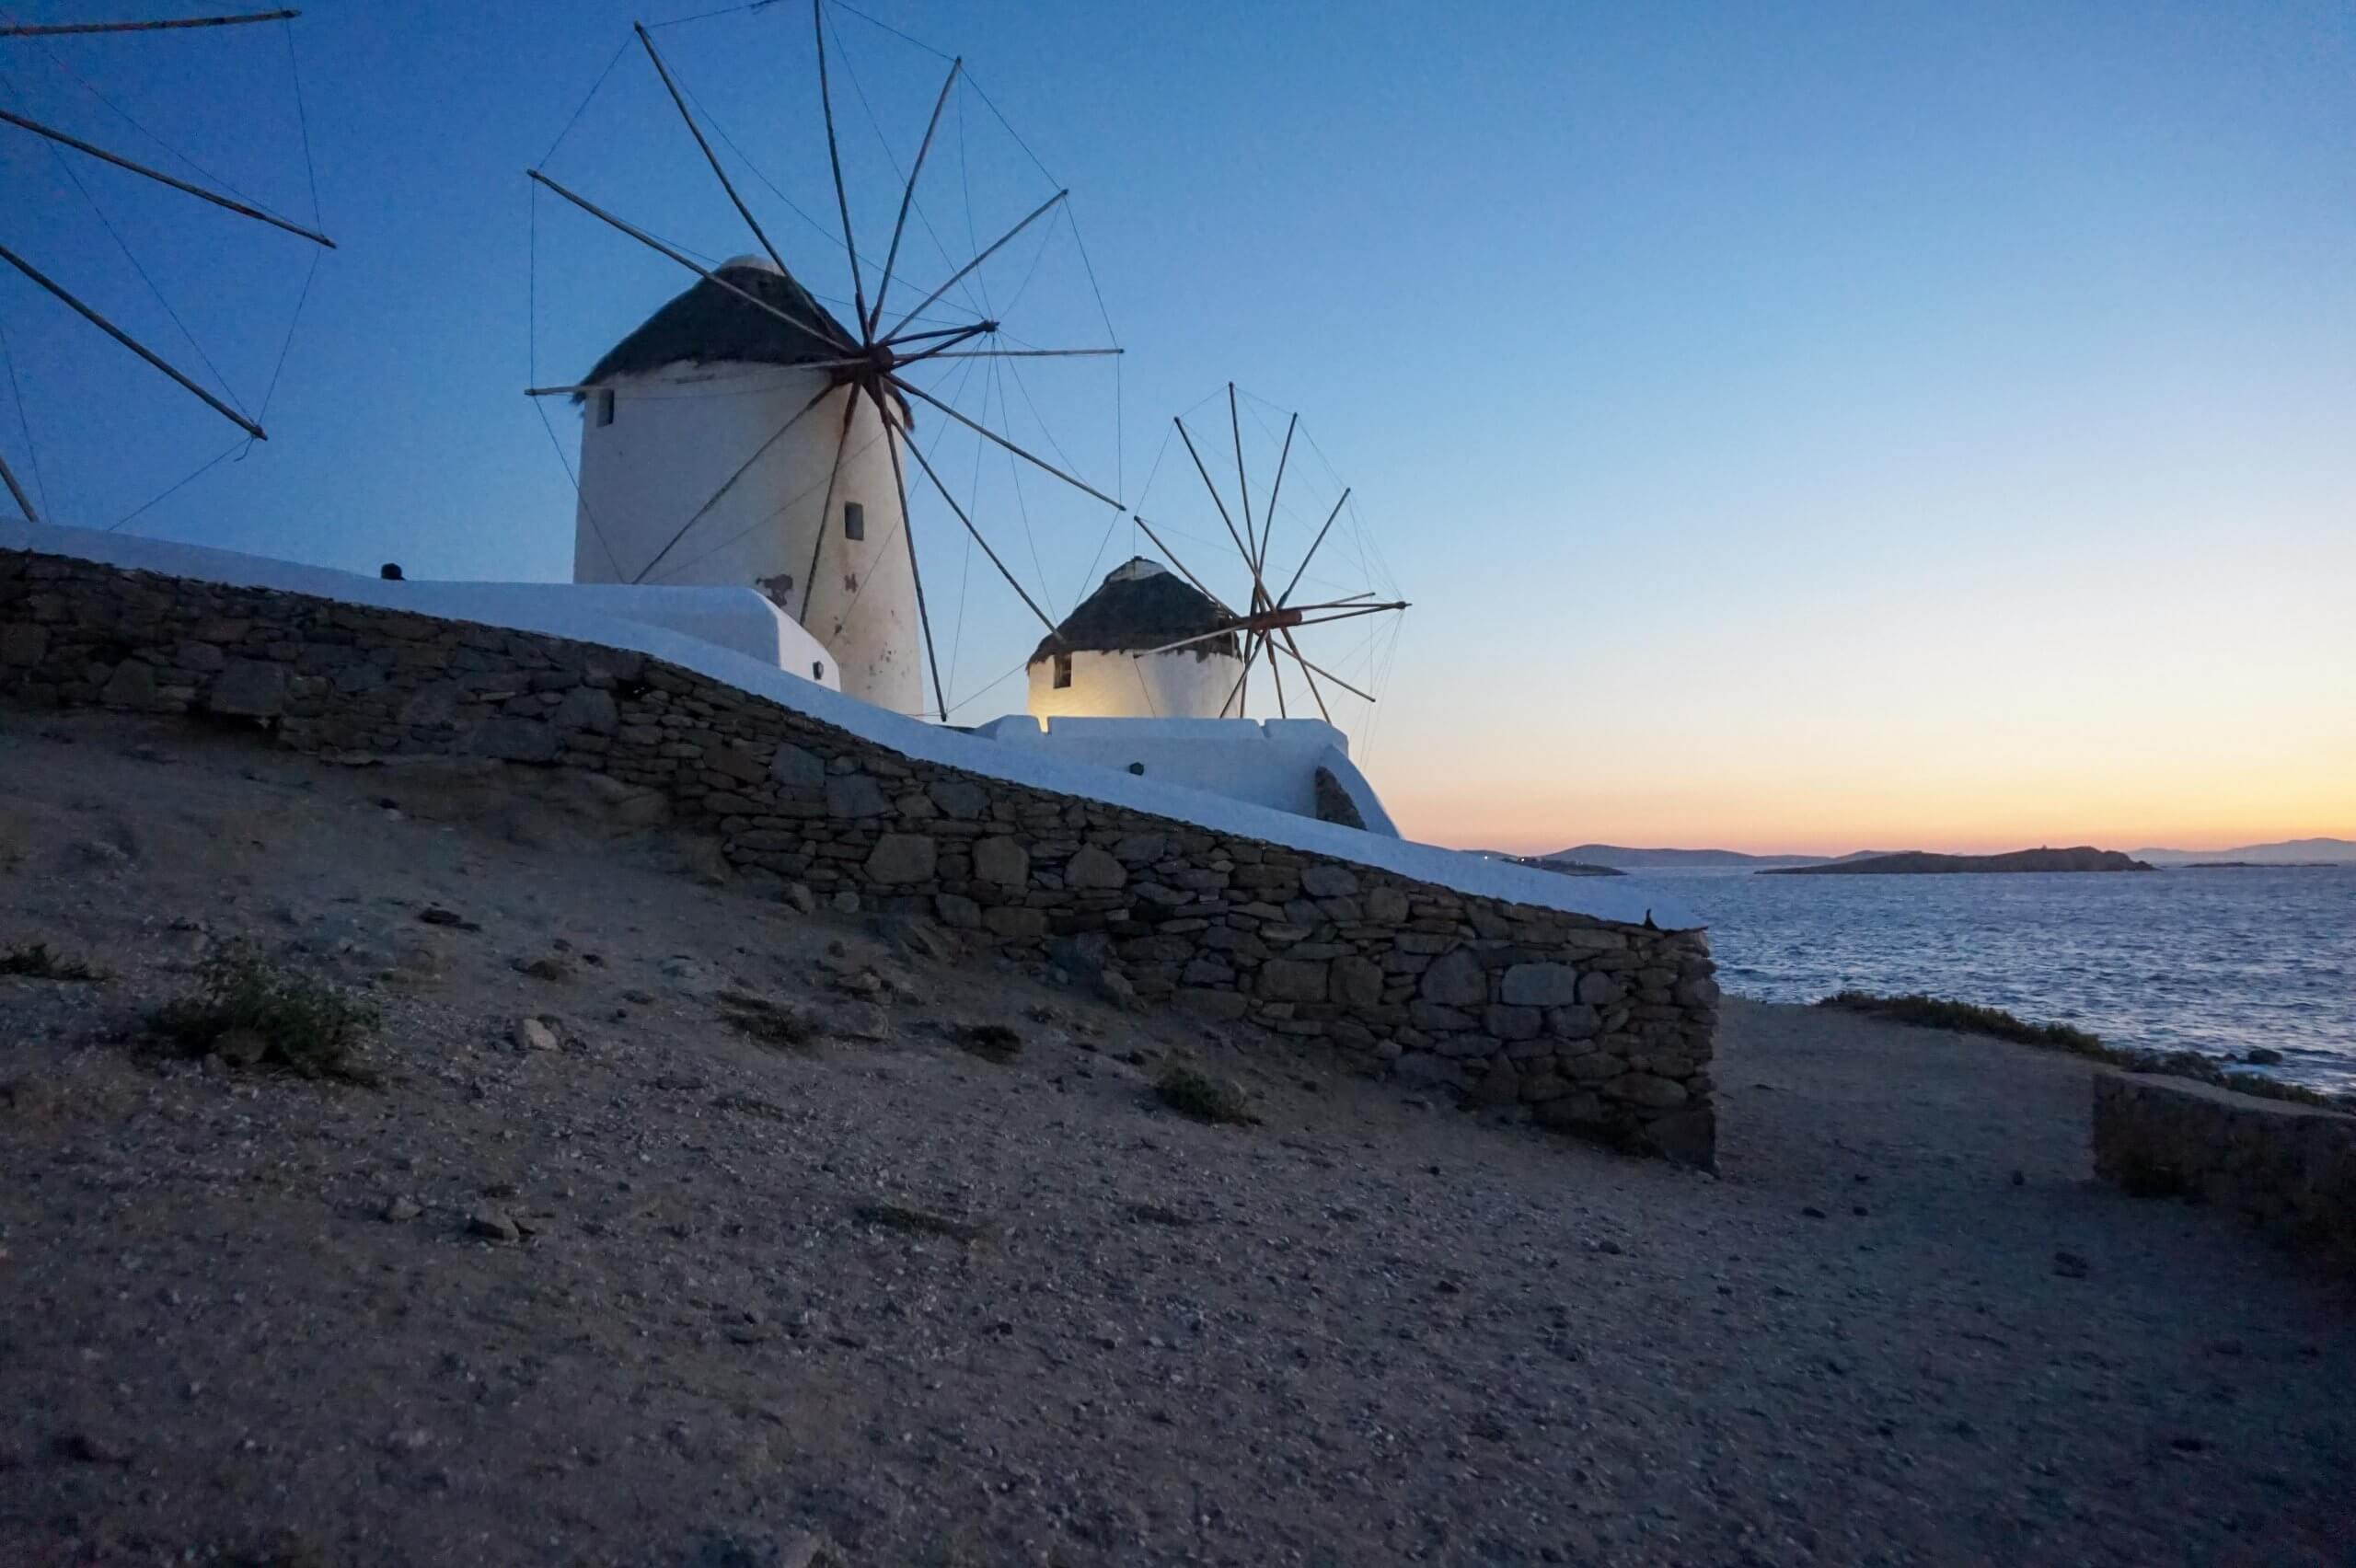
<point x="1063" y="671"/>
<point x="606" y="406"/>
<point x="854" y="520"/>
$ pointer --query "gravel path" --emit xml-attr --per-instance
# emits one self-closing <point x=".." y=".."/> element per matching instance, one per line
<point x="1902" y="1326"/>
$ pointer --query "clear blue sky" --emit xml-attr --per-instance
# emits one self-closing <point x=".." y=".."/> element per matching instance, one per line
<point x="1806" y="425"/>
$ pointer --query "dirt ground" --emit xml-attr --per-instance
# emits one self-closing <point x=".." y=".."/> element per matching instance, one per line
<point x="650" y="1289"/>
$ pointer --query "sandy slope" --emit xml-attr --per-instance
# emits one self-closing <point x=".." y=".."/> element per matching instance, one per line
<point x="1377" y="1333"/>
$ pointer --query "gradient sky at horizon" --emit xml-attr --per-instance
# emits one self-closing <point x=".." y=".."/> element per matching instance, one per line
<point x="1804" y="427"/>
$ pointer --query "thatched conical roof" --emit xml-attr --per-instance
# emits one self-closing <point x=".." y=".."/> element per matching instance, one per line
<point x="707" y="324"/>
<point x="1141" y="604"/>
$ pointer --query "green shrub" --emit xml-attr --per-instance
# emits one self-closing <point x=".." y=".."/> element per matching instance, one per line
<point x="1190" y="1091"/>
<point x="34" y="961"/>
<point x="254" y="1013"/>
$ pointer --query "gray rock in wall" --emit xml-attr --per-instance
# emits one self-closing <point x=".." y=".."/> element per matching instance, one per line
<point x="131" y="686"/>
<point x="23" y="644"/>
<point x="585" y="708"/>
<point x="958" y="798"/>
<point x="796" y="768"/>
<point x="901" y="857"/>
<point x="855" y="795"/>
<point x="1321" y="880"/>
<point x="1455" y="980"/>
<point x="1541" y="985"/>
<point x="249" y="688"/>
<point x="514" y="740"/>
<point x="1093" y="868"/>
<point x="1002" y="861"/>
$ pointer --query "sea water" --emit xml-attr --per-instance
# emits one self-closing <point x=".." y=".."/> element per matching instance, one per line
<point x="2217" y="961"/>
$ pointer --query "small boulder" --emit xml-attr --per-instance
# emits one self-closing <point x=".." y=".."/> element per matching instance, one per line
<point x="492" y="1226"/>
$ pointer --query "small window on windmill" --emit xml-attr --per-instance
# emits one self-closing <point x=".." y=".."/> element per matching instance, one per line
<point x="606" y="406"/>
<point x="854" y="520"/>
<point x="1063" y="671"/>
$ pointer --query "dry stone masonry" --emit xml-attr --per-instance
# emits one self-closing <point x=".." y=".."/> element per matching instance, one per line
<point x="1591" y="1026"/>
<point x="2290" y="1167"/>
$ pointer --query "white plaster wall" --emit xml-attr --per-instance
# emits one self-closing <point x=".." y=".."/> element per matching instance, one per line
<point x="739" y="619"/>
<point x="1038" y="767"/>
<point x="1176" y="685"/>
<point x="1269" y="761"/>
<point x="677" y="435"/>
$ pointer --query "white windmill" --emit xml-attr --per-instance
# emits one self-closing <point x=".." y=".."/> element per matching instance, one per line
<point x="744" y="434"/>
<point x="1148" y="645"/>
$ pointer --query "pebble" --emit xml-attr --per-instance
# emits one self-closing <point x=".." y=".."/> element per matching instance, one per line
<point x="93" y="1448"/>
<point x="401" y="1208"/>
<point x="531" y="1035"/>
<point x="492" y="1226"/>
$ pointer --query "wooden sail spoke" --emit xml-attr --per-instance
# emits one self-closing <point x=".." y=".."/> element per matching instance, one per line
<point x="1275" y="489"/>
<point x="730" y="483"/>
<point x="1259" y="593"/>
<point x="24" y="502"/>
<point x="954" y="278"/>
<point x="908" y="528"/>
<point x="1021" y="353"/>
<point x="948" y="341"/>
<point x="914" y="390"/>
<point x="128" y="342"/>
<point x="935" y="332"/>
<point x="1286" y="594"/>
<point x="706" y="273"/>
<point x="60" y="30"/>
<point x="835" y="158"/>
<point x="918" y="453"/>
<point x="1239" y="691"/>
<point x="1306" y="663"/>
<point x="1243" y="485"/>
<point x="1172" y="556"/>
<point x="826" y="508"/>
<point x="907" y="197"/>
<point x="201" y="194"/>
<point x="708" y="155"/>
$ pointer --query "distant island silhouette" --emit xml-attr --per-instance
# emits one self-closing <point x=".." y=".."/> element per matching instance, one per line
<point x="1921" y="862"/>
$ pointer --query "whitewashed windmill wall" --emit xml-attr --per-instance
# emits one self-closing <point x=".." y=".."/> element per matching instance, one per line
<point x="657" y="447"/>
<point x="1107" y="659"/>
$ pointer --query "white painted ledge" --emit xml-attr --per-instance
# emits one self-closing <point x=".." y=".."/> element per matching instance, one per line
<point x="559" y="615"/>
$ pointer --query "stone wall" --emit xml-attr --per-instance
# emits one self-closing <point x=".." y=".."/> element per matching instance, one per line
<point x="2291" y="1168"/>
<point x="1592" y="1026"/>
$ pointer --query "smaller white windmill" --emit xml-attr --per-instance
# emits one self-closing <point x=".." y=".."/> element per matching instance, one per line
<point x="1146" y="645"/>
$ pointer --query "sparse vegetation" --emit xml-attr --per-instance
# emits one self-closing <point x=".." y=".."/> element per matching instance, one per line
<point x="916" y="1222"/>
<point x="1193" y="1093"/>
<point x="990" y="1042"/>
<point x="1935" y="1012"/>
<point x="772" y="1023"/>
<point x="254" y="1013"/>
<point x="34" y="961"/>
